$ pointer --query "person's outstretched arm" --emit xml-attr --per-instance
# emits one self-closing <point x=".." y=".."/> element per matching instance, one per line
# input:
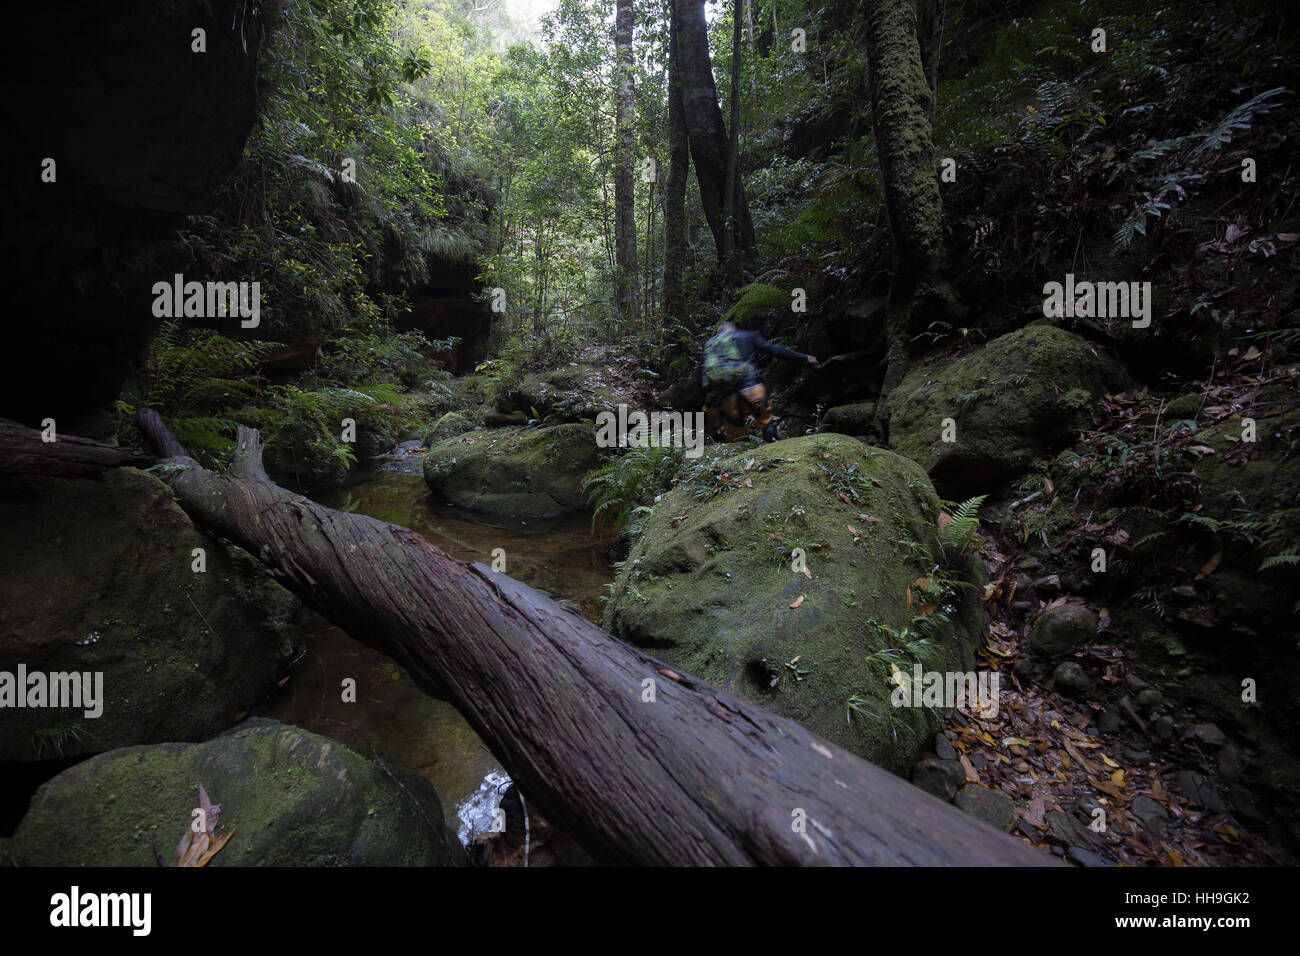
<point x="781" y="352"/>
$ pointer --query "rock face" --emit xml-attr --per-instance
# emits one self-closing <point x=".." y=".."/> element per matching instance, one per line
<point x="517" y="472"/>
<point x="130" y="160"/>
<point x="708" y="587"/>
<point x="96" y="576"/>
<point x="293" y="798"/>
<point x="1021" y="397"/>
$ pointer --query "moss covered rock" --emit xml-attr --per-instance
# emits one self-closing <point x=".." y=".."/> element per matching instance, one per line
<point x="852" y="419"/>
<point x="293" y="798"/>
<point x="518" y="472"/>
<point x="709" y="586"/>
<point x="96" y="576"/>
<point x="571" y="393"/>
<point x="451" y="425"/>
<point x="1021" y="397"/>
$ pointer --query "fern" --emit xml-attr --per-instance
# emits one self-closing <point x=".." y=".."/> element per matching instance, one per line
<point x="619" y="486"/>
<point x="959" y="534"/>
<point x="1280" y="559"/>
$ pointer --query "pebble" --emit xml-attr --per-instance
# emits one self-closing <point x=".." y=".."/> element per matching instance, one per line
<point x="1164" y="727"/>
<point x="1134" y="683"/>
<point x="944" y="748"/>
<point x="991" y="806"/>
<point x="1147" y="810"/>
<point x="1070" y="677"/>
<point x="1149" y="698"/>
<point x="1086" y="857"/>
<point x="1196" y="788"/>
<point x="1209" y="734"/>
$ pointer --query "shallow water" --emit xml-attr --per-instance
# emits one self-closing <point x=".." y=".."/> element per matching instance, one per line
<point x="392" y="718"/>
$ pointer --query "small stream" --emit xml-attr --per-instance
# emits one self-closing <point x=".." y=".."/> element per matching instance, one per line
<point x="392" y="718"/>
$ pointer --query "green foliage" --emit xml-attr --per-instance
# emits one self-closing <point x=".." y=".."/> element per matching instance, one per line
<point x="624" y="484"/>
<point x="958" y="535"/>
<point x="756" y="300"/>
<point x="50" y="742"/>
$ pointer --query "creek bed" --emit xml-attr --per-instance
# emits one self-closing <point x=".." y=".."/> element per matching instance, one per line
<point x="391" y="717"/>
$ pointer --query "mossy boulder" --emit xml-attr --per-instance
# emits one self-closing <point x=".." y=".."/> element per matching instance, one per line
<point x="571" y="393"/>
<point x="292" y="798"/>
<point x="96" y="576"/>
<point x="1021" y="397"/>
<point x="517" y="472"/>
<point x="756" y="301"/>
<point x="709" y="585"/>
<point x="449" y="426"/>
<point x="852" y="419"/>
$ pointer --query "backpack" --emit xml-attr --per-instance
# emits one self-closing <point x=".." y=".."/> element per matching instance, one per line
<point x="723" y="363"/>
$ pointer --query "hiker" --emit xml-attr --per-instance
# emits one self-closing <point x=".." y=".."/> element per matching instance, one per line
<point x="729" y="378"/>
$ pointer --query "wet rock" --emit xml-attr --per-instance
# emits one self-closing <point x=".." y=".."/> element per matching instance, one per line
<point x="1164" y="727"/>
<point x="1071" y="678"/>
<point x="992" y="806"/>
<point x="1108" y="722"/>
<point x="940" y="777"/>
<point x="1134" y="683"/>
<point x="944" y="748"/>
<point x="449" y="426"/>
<point x="293" y="798"/>
<point x="1061" y="629"/>
<point x="1200" y="791"/>
<point x="1137" y="756"/>
<point x="1065" y="828"/>
<point x="515" y="472"/>
<point x="708" y="586"/>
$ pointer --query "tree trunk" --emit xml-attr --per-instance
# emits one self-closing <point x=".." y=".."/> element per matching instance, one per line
<point x="705" y="129"/>
<point x="22" y="452"/>
<point x="693" y="776"/>
<point x="674" y="301"/>
<point x="731" y="191"/>
<point x="900" y="112"/>
<point x="624" y="196"/>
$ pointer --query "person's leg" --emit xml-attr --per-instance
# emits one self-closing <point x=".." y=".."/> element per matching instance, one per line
<point x="755" y="397"/>
<point x="733" y="417"/>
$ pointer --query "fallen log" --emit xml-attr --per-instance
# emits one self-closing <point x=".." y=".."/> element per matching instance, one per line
<point x="23" y="452"/>
<point x="694" y="777"/>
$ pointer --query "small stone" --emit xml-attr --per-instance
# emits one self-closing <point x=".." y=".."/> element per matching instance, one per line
<point x="1196" y="788"/>
<point x="1137" y="756"/>
<point x="1229" y="762"/>
<point x="1186" y="592"/>
<point x="1164" y="727"/>
<point x="1022" y="582"/>
<point x="1149" y="698"/>
<point x="1086" y="857"/>
<point x="1064" y="828"/>
<point x="1147" y="810"/>
<point x="1134" y="683"/>
<point x="978" y="762"/>
<point x="1087" y="803"/>
<point x="1108" y="722"/>
<point x="1031" y="564"/>
<point x="1071" y="678"/>
<point x="944" y="748"/>
<point x="992" y="806"/>
<point x="1209" y="734"/>
<point x="1022" y="606"/>
<point x="1050" y="584"/>
<point x="938" y="777"/>
<point x="1243" y="803"/>
<point x="1061" y="629"/>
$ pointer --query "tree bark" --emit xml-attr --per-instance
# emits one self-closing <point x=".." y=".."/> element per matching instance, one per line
<point x="900" y="113"/>
<point x="22" y="452"/>
<point x="731" y="190"/>
<point x="694" y="777"/>
<point x="705" y="129"/>
<point x="625" y="279"/>
<point x="674" y="301"/>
